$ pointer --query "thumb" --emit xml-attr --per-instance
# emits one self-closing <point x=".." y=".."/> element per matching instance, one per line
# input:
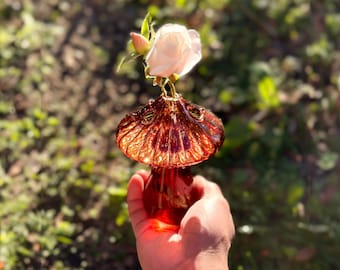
<point x="138" y="215"/>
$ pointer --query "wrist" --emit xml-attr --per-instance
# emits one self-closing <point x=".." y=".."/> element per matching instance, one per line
<point x="211" y="260"/>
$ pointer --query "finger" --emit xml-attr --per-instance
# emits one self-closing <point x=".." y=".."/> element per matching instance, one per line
<point x="212" y="194"/>
<point x="136" y="209"/>
<point x="211" y="209"/>
<point x="204" y="188"/>
<point x="210" y="220"/>
<point x="137" y="184"/>
<point x="144" y="174"/>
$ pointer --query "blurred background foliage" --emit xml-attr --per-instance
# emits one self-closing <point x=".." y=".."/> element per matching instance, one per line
<point x="270" y="70"/>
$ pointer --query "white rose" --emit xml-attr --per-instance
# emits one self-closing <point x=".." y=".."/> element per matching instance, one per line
<point x="175" y="49"/>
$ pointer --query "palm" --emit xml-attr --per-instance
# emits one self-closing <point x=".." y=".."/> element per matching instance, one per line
<point x="160" y="250"/>
<point x="164" y="246"/>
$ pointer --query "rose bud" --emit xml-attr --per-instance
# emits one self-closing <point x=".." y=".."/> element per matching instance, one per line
<point x="140" y="43"/>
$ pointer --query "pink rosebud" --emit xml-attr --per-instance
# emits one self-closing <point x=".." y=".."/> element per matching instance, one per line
<point x="175" y="50"/>
<point x="140" y="43"/>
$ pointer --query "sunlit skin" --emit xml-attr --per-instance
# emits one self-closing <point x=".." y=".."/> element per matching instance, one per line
<point x="201" y="241"/>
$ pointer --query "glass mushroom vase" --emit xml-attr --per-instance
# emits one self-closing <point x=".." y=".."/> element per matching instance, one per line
<point x="169" y="134"/>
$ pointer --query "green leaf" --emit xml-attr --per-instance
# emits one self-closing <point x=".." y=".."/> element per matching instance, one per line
<point x="24" y="251"/>
<point x="238" y="132"/>
<point x="65" y="228"/>
<point x="320" y="49"/>
<point x="154" y="10"/>
<point x="5" y="107"/>
<point x="146" y="26"/>
<point x="332" y="22"/>
<point x="117" y="191"/>
<point x="267" y="93"/>
<point x="294" y="194"/>
<point x="5" y="37"/>
<point x="87" y="167"/>
<point x="39" y="114"/>
<point x="328" y="161"/>
<point x="6" y="237"/>
<point x="181" y="3"/>
<point x="122" y="216"/>
<point x="53" y="121"/>
<point x="126" y="59"/>
<point x="65" y="240"/>
<point x="225" y="96"/>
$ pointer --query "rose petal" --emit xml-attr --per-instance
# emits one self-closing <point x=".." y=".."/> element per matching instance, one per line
<point x="192" y="59"/>
<point x="175" y="49"/>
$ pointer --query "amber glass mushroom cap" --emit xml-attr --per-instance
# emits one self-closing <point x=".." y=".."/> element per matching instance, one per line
<point x="170" y="132"/>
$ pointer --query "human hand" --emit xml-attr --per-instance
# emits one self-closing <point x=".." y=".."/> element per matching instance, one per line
<point x="203" y="239"/>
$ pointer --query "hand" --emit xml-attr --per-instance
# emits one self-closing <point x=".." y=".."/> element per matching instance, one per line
<point x="202" y="240"/>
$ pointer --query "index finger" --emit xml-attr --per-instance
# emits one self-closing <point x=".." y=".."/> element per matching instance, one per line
<point x="135" y="202"/>
<point x="202" y="188"/>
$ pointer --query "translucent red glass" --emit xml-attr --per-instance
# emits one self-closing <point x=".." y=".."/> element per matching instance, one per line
<point x="169" y="134"/>
<point x="168" y="194"/>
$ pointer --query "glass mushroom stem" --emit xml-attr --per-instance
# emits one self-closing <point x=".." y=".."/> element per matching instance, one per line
<point x="168" y="194"/>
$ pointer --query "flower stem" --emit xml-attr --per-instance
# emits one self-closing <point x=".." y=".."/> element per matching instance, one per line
<point x="164" y="92"/>
<point x="172" y="88"/>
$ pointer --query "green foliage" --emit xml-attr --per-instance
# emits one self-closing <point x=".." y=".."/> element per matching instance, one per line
<point x="273" y="81"/>
<point x="146" y="28"/>
<point x="267" y="94"/>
